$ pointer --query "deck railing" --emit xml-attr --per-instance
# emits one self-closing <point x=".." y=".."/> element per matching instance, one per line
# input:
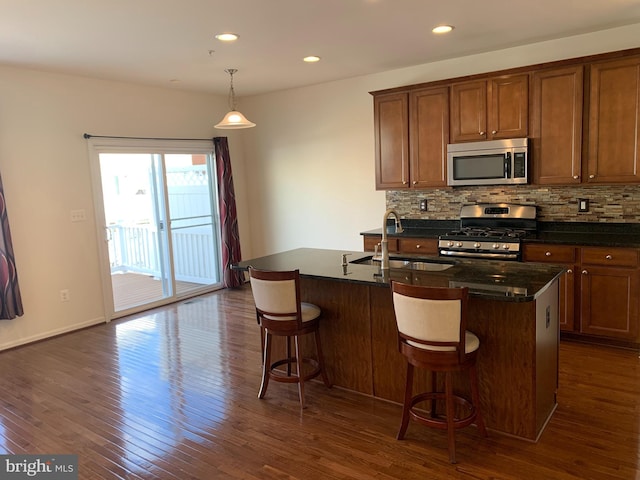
<point x="136" y="249"/>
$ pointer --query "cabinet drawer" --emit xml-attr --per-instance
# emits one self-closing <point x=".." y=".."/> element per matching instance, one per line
<point x="614" y="257"/>
<point x="370" y="242"/>
<point x="427" y="246"/>
<point x="549" y="253"/>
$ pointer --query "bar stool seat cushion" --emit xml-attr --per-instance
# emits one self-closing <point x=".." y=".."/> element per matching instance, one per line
<point x="472" y="343"/>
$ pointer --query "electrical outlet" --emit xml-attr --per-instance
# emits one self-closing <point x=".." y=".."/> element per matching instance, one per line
<point x="64" y="295"/>
<point x="423" y="205"/>
<point x="583" y="205"/>
<point x="78" y="215"/>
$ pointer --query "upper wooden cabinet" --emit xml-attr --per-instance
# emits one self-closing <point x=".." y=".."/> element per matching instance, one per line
<point x="556" y="125"/>
<point x="411" y="136"/>
<point x="391" y="122"/>
<point x="614" y="130"/>
<point x="428" y="137"/>
<point x="490" y="109"/>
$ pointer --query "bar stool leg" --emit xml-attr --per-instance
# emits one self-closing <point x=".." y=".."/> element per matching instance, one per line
<point x="451" y="431"/>
<point x="407" y="402"/>
<point x="266" y="365"/>
<point x="300" y="372"/>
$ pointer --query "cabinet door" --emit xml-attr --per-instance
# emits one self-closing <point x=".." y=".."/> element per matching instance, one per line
<point x="614" y="133"/>
<point x="508" y="115"/>
<point x="391" y="123"/>
<point x="560" y="254"/>
<point x="429" y="136"/>
<point x="469" y="111"/>
<point x="556" y="126"/>
<point x="609" y="302"/>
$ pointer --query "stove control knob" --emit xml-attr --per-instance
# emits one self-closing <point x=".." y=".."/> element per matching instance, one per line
<point x="496" y="246"/>
<point x="449" y="243"/>
<point x="505" y="246"/>
<point x="459" y="244"/>
<point x="476" y="245"/>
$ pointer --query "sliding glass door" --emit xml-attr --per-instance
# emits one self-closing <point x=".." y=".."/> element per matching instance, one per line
<point x="158" y="212"/>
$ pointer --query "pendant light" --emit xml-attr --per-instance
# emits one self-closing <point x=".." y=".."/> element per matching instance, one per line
<point x="233" y="119"/>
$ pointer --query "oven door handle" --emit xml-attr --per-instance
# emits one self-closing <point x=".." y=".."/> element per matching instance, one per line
<point x="498" y="256"/>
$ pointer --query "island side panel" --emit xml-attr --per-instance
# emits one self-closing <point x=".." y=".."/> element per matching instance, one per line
<point x="547" y="354"/>
<point x="506" y="364"/>
<point x="345" y="331"/>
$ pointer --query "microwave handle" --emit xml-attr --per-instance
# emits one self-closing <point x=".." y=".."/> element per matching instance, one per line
<point x="507" y="165"/>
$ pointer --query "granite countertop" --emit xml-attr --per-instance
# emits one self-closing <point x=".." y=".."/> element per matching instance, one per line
<point x="568" y="233"/>
<point x="496" y="280"/>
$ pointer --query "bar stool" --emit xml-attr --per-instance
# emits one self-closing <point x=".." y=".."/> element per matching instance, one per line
<point x="280" y="312"/>
<point x="432" y="335"/>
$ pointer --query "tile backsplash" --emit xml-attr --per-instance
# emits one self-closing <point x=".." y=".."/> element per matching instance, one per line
<point x="616" y="204"/>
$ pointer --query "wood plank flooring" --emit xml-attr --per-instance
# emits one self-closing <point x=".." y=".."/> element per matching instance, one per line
<point x="171" y="394"/>
<point x="133" y="289"/>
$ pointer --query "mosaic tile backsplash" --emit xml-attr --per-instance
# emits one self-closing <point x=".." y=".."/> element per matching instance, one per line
<point x="615" y="204"/>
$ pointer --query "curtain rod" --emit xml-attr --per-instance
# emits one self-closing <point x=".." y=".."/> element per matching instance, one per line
<point x="88" y="135"/>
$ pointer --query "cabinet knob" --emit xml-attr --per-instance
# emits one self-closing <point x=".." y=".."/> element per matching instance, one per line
<point x="404" y="182"/>
<point x="569" y="271"/>
<point x="493" y="132"/>
<point x="592" y="176"/>
<point x="418" y="246"/>
<point x="584" y="272"/>
<point x="608" y="257"/>
<point x="482" y="133"/>
<point x="576" y="177"/>
<point x="548" y="254"/>
<point x="415" y="182"/>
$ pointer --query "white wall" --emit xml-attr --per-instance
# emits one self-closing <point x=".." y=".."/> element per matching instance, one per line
<point x="310" y="160"/>
<point x="45" y="171"/>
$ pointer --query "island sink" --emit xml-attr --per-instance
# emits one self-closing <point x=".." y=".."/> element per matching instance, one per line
<point x="405" y="263"/>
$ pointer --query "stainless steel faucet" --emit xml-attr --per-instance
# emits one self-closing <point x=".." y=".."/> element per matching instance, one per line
<point x="385" y="243"/>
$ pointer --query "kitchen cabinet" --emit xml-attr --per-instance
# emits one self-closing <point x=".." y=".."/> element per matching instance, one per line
<point x="370" y="242"/>
<point x="391" y="129"/>
<point x="411" y="137"/>
<point x="556" y="125"/>
<point x="609" y="292"/>
<point x="599" y="294"/>
<point x="490" y="109"/>
<point x="562" y="255"/>
<point x="614" y="130"/>
<point x="427" y="246"/>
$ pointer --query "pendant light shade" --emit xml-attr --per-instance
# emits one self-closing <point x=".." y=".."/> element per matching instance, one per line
<point x="234" y="119"/>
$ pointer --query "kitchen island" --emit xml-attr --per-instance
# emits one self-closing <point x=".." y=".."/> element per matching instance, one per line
<point x="513" y="309"/>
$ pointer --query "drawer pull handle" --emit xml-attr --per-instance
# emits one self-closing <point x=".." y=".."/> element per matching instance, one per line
<point x="584" y="272"/>
<point x="608" y="257"/>
<point x="548" y="254"/>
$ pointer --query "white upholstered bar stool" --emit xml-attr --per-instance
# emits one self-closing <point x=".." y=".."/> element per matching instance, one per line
<point x="432" y="335"/>
<point x="280" y="312"/>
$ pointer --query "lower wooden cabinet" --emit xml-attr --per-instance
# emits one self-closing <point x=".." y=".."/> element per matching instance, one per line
<point x="564" y="255"/>
<point x="427" y="246"/>
<point x="599" y="294"/>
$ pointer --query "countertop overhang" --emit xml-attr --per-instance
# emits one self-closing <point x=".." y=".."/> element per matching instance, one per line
<point x="485" y="278"/>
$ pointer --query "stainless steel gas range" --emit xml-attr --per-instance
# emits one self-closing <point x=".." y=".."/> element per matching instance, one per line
<point x="490" y="231"/>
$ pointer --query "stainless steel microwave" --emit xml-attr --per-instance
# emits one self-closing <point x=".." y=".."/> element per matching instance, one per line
<point x="494" y="162"/>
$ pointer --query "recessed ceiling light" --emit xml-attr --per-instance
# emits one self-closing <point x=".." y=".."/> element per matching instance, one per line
<point x="442" y="29"/>
<point x="311" y="59"/>
<point x="227" y="37"/>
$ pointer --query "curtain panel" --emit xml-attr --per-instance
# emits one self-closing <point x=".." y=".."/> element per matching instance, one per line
<point x="228" y="215"/>
<point x="9" y="290"/>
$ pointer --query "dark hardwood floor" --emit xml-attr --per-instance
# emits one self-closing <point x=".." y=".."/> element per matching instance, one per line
<point x="171" y="394"/>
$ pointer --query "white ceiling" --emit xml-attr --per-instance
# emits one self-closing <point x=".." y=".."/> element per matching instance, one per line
<point x="167" y="42"/>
